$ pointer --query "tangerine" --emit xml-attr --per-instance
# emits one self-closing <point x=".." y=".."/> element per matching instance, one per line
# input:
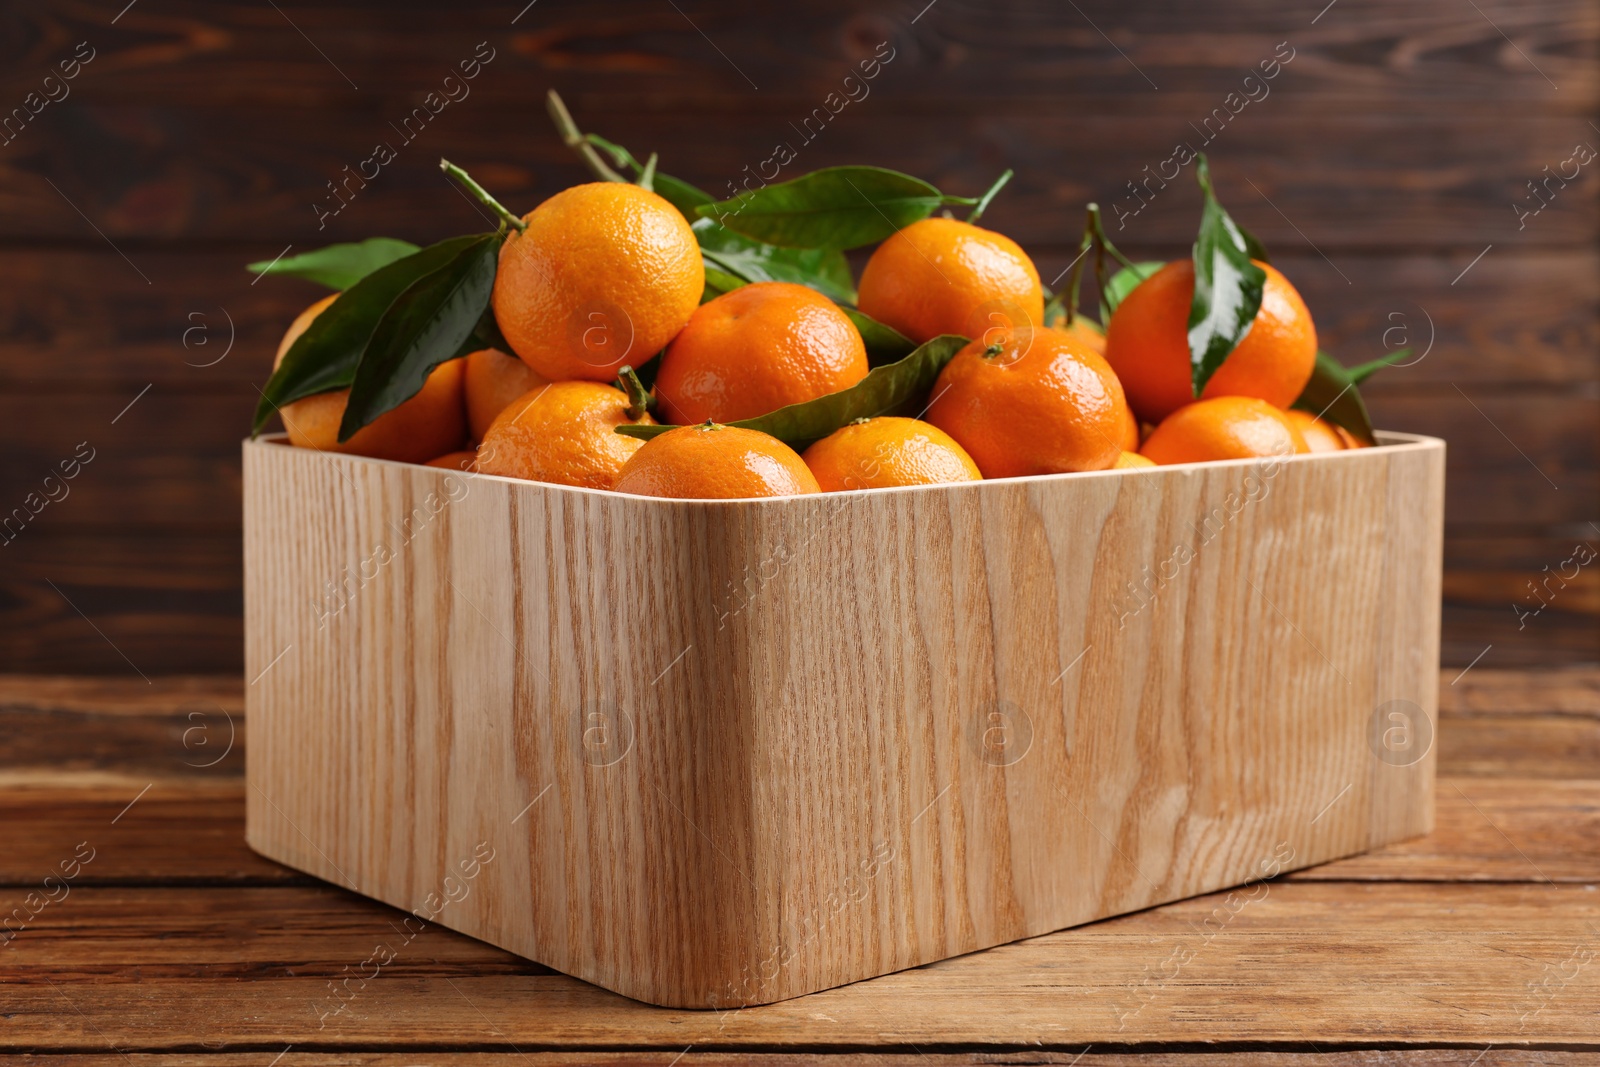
<point x="1223" y="427"/>
<point x="465" y="460"/>
<point x="1031" y="402"/>
<point x="712" y="462"/>
<point x="493" y="380"/>
<point x="756" y="349"/>
<point x="1147" y="342"/>
<point x="1321" y="436"/>
<point x="888" y="451"/>
<point x="605" y="274"/>
<point x="429" y="424"/>
<point x="563" y="433"/>
<point x="941" y="276"/>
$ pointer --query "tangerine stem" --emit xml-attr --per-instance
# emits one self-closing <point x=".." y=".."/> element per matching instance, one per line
<point x="1068" y="297"/>
<point x="575" y="140"/>
<point x="638" y="395"/>
<point x="993" y="191"/>
<point x="647" y="177"/>
<point x="482" y="195"/>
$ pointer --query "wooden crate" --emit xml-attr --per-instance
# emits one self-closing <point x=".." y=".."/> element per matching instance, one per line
<point x="719" y="753"/>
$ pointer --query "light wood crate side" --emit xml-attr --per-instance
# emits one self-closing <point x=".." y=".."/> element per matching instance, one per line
<point x="733" y="752"/>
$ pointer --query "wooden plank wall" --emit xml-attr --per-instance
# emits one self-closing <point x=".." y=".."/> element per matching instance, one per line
<point x="1381" y="166"/>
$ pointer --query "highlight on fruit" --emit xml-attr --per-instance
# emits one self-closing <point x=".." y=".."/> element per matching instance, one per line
<point x="634" y="334"/>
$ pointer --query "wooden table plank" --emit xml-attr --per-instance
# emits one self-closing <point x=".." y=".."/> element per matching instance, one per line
<point x="176" y="937"/>
<point x="1491" y="830"/>
<point x="1398" y="964"/>
<point x="1542" y="724"/>
<point x="178" y="833"/>
<point x="187" y="833"/>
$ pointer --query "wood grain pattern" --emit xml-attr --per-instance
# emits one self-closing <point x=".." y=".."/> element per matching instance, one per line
<point x="1386" y="158"/>
<point x="1422" y="961"/>
<point x="1393" y="182"/>
<point x="971" y="55"/>
<point x="1371" y="965"/>
<point x="668" y="693"/>
<point x="1512" y="805"/>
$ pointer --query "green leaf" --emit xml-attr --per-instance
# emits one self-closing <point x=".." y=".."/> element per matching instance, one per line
<point x="647" y="176"/>
<point x="339" y="266"/>
<point x="835" y="208"/>
<point x="1332" y="396"/>
<point x="486" y="334"/>
<point x="1122" y="283"/>
<point x="828" y="272"/>
<point x="718" y="282"/>
<point x="424" y="326"/>
<point x="1252" y="246"/>
<point x="324" y="358"/>
<point x="895" y="389"/>
<point x="732" y="256"/>
<point x="681" y="195"/>
<point x="1227" y="287"/>
<point x="1361" y="373"/>
<point x="885" y="344"/>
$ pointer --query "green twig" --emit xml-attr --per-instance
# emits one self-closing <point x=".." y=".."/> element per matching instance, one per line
<point x="575" y="140"/>
<point x="481" y="194"/>
<point x="1075" y="281"/>
<point x="638" y="396"/>
<point x="647" y="177"/>
<point x="1100" y="234"/>
<point x="983" y="201"/>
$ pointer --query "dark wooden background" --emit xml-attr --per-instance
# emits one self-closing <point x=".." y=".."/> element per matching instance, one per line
<point x="1386" y="158"/>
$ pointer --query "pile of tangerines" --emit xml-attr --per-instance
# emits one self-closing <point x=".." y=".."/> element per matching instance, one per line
<point x="608" y="276"/>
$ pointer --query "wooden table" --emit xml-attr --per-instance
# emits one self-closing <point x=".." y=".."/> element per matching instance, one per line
<point x="154" y="936"/>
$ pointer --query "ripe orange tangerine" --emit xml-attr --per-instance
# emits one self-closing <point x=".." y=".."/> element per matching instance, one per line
<point x="1321" y="436"/>
<point x="492" y="381"/>
<point x="1147" y="342"/>
<point x="755" y="349"/>
<point x="1223" y="427"/>
<point x="465" y="460"/>
<point x="429" y="424"/>
<point x="604" y="275"/>
<point x="711" y="462"/>
<point x="563" y="433"/>
<point x="942" y="276"/>
<point x="888" y="451"/>
<point x="1032" y="402"/>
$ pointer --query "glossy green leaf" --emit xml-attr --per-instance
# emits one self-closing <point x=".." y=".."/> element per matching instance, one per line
<point x="426" y="325"/>
<point x="1362" y="372"/>
<point x="835" y="208"/>
<point x="1253" y="247"/>
<point x="896" y="389"/>
<point x="324" y="357"/>
<point x="338" y="266"/>
<point x="718" y="281"/>
<point x="885" y="344"/>
<point x="1227" y="287"/>
<point x="1122" y="283"/>
<point x="486" y="334"/>
<point x="1332" y="396"/>
<point x="681" y="195"/>
<point x="828" y="272"/>
<point x="735" y="256"/>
